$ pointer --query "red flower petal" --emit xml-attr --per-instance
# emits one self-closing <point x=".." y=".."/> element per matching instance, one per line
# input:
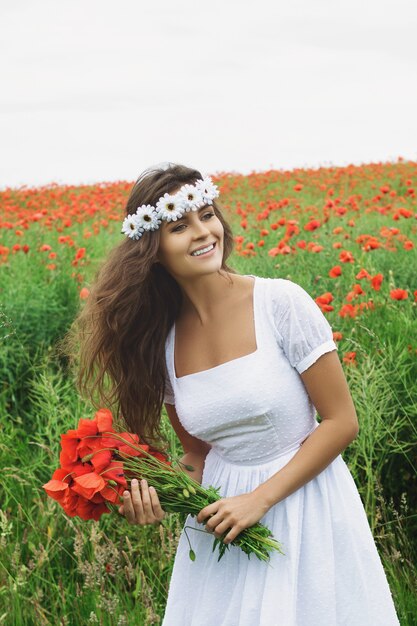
<point x="101" y="459"/>
<point x="56" y="489"/>
<point x="80" y="469"/>
<point x="90" y="481"/>
<point x="69" y="447"/>
<point x="104" y="420"/>
<point x="114" y="472"/>
<point x="86" y="427"/>
<point x="86" y="510"/>
<point x="70" y="503"/>
<point x="88" y="484"/>
<point x="112" y="494"/>
<point x="97" y="498"/>
<point x="61" y="474"/>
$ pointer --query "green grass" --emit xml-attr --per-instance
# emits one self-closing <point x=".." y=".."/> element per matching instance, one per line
<point x="59" y="570"/>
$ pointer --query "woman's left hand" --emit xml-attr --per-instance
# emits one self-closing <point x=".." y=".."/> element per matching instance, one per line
<point x="235" y="513"/>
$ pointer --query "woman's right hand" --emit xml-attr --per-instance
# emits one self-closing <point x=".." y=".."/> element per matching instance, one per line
<point x="142" y="506"/>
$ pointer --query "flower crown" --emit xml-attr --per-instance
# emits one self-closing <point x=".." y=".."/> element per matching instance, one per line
<point x="170" y="207"/>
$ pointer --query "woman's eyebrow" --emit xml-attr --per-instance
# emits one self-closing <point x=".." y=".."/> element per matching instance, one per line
<point x="198" y="211"/>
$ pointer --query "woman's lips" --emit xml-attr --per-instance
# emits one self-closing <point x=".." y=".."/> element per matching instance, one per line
<point x="209" y="253"/>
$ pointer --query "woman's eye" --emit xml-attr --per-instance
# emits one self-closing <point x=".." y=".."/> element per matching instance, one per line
<point x="174" y="230"/>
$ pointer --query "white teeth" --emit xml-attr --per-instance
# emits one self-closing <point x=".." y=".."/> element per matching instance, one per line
<point x="202" y="251"/>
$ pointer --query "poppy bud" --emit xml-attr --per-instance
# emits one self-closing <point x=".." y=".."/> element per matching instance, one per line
<point x="191" y="489"/>
<point x="186" y="493"/>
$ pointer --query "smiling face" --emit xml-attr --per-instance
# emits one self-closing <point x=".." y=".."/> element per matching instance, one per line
<point x="195" y="229"/>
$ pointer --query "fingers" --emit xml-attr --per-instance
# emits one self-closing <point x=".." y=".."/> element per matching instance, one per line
<point x="137" y="502"/>
<point x="156" y="505"/>
<point x="210" y="528"/>
<point x="129" y="511"/>
<point x="221" y="529"/>
<point x="146" y="501"/>
<point x="212" y="525"/>
<point x="141" y="506"/>
<point x="151" y="506"/>
<point x="217" y="526"/>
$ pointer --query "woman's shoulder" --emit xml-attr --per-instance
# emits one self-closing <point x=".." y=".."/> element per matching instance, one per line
<point x="300" y="325"/>
<point x="278" y="283"/>
<point x="286" y="298"/>
<point x="282" y="290"/>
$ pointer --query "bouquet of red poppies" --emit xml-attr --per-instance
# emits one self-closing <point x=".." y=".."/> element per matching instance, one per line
<point x="98" y="463"/>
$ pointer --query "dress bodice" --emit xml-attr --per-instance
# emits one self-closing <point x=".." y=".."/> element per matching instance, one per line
<point x="255" y="407"/>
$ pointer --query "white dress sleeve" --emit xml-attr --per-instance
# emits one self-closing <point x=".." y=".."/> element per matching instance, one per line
<point x="302" y="330"/>
<point x="169" y="397"/>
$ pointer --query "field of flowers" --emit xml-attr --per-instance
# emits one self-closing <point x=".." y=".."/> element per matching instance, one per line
<point x="345" y="234"/>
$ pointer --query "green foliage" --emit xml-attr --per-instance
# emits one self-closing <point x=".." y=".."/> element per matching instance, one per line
<point x="59" y="570"/>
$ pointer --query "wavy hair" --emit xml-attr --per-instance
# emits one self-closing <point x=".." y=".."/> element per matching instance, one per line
<point x="117" y="341"/>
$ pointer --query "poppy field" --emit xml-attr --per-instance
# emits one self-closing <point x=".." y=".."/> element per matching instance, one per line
<point x="347" y="235"/>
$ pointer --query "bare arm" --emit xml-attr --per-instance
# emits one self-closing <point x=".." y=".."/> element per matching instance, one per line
<point x="195" y="460"/>
<point x="195" y="449"/>
<point x="328" y="389"/>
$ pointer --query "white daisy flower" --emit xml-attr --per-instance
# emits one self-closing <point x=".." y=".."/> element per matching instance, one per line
<point x="193" y="200"/>
<point x="147" y="217"/>
<point x="208" y="189"/>
<point x="170" y="208"/>
<point x="131" y="227"/>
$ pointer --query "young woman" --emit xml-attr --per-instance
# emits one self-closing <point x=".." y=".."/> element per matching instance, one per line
<point x="242" y="363"/>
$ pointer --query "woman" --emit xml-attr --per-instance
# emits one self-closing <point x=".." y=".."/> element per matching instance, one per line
<point x="242" y="363"/>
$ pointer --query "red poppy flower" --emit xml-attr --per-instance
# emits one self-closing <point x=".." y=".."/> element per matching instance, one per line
<point x="348" y="310"/>
<point x="335" y="271"/>
<point x="346" y="257"/>
<point x="363" y="274"/>
<point x="90" y="475"/>
<point x="349" y="358"/>
<point x="376" y="281"/>
<point x="398" y="294"/>
<point x="80" y="253"/>
<point x="312" y="225"/>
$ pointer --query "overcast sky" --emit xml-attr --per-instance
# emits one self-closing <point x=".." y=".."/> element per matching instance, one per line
<point x="95" y="90"/>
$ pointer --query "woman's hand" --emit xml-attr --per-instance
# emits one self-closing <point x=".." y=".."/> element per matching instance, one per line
<point x="234" y="514"/>
<point x="143" y="506"/>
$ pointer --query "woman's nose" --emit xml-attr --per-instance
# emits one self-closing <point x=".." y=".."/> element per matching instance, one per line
<point x="200" y="228"/>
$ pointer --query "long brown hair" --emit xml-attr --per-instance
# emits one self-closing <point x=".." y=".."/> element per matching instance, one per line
<point x="117" y="341"/>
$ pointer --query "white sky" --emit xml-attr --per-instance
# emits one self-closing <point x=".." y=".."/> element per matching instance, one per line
<point x="98" y="90"/>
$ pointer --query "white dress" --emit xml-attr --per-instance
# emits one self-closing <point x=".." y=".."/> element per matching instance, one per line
<point x="255" y="412"/>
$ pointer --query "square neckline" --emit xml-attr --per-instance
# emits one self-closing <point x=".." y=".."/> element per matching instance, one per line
<point x="239" y="358"/>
